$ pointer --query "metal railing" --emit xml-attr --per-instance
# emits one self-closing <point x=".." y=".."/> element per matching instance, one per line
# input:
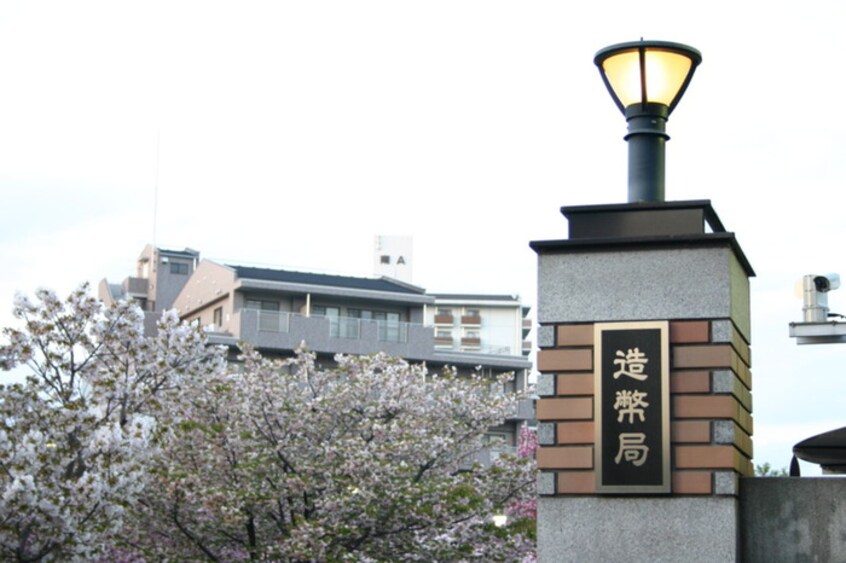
<point x="339" y="327"/>
<point x="272" y="321"/>
<point x="386" y="331"/>
<point x="392" y="331"/>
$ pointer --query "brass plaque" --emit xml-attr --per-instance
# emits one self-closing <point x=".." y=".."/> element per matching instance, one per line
<point x="632" y="407"/>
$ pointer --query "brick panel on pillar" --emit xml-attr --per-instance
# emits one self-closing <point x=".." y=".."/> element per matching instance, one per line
<point x="700" y="410"/>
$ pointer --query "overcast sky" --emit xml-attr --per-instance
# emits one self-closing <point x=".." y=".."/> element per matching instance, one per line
<point x="289" y="134"/>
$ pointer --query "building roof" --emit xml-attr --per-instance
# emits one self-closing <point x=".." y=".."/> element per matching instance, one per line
<point x="188" y="252"/>
<point x="475" y="297"/>
<point x="373" y="284"/>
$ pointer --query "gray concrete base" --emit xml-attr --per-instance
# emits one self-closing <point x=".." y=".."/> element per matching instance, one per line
<point x="789" y="519"/>
<point x="657" y="529"/>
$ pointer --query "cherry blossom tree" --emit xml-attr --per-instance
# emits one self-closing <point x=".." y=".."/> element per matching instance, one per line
<point x="124" y="447"/>
<point x="74" y="436"/>
<point x="373" y="460"/>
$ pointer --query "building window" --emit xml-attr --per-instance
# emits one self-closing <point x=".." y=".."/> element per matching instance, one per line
<point x="262" y="305"/>
<point x="180" y="268"/>
<point x="384" y="259"/>
<point x="217" y="317"/>
<point x="442" y="311"/>
<point x="360" y="314"/>
<point x="441" y="333"/>
<point x="472" y="312"/>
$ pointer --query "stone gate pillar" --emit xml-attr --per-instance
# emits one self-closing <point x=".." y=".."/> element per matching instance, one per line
<point x="645" y="409"/>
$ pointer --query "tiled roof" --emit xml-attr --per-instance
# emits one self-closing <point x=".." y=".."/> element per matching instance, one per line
<point x="373" y="284"/>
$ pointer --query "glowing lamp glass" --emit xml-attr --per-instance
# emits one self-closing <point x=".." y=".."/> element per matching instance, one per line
<point x="647" y="72"/>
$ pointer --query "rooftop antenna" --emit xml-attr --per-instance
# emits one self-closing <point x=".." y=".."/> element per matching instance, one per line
<point x="156" y="187"/>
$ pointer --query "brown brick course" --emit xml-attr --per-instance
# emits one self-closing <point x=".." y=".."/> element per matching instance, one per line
<point x="712" y="407"/>
<point x="690" y="332"/>
<point x="687" y="431"/>
<point x="574" y="457"/>
<point x="575" y="359"/>
<point x="574" y="384"/>
<point x="574" y="335"/>
<point x="692" y="482"/>
<point x="577" y="482"/>
<point x="576" y="432"/>
<point x="690" y="382"/>
<point x="564" y="409"/>
<point x="710" y="356"/>
<point x="708" y="457"/>
<point x="713" y="356"/>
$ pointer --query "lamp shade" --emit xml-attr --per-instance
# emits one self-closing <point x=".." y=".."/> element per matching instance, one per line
<point x="647" y="72"/>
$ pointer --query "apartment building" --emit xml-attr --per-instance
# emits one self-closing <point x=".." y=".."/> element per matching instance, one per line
<point x="159" y="277"/>
<point x="488" y="324"/>
<point x="276" y="310"/>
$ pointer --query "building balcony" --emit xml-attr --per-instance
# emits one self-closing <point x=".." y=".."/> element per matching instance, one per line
<point x="471" y="342"/>
<point x="286" y="331"/>
<point x="471" y="320"/>
<point x="524" y="410"/>
<point x="283" y="332"/>
<point x="135" y="287"/>
<point x="443" y="341"/>
<point x="488" y="456"/>
<point x="444" y="320"/>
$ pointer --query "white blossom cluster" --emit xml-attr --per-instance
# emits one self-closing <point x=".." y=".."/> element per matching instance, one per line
<point x="121" y="447"/>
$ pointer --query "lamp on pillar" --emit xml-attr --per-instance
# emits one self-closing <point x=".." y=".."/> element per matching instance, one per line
<point x="647" y="79"/>
<point x="663" y="473"/>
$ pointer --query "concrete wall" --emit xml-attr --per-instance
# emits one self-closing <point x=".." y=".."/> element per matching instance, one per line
<point x="779" y="519"/>
<point x="793" y="519"/>
<point x="602" y="529"/>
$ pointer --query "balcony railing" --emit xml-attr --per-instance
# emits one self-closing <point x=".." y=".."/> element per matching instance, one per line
<point x="392" y="331"/>
<point x="524" y="409"/>
<point x="471" y="320"/>
<point x="344" y="327"/>
<point x="272" y="321"/>
<point x="444" y="319"/>
<point x="488" y="456"/>
<point x="336" y="327"/>
<point x="135" y="286"/>
<point x="280" y="329"/>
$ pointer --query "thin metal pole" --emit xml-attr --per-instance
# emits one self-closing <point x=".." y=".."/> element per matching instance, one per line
<point x="647" y="139"/>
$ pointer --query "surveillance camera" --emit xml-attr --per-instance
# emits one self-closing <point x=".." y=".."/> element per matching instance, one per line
<point x="815" y="290"/>
<point x="827" y="282"/>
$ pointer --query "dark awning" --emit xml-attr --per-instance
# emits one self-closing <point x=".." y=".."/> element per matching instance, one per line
<point x="827" y="450"/>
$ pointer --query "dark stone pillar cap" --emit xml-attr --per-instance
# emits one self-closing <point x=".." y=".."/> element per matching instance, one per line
<point x="644" y="224"/>
<point x="653" y="218"/>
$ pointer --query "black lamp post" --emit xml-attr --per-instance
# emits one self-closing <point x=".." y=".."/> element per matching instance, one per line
<point x="647" y="79"/>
